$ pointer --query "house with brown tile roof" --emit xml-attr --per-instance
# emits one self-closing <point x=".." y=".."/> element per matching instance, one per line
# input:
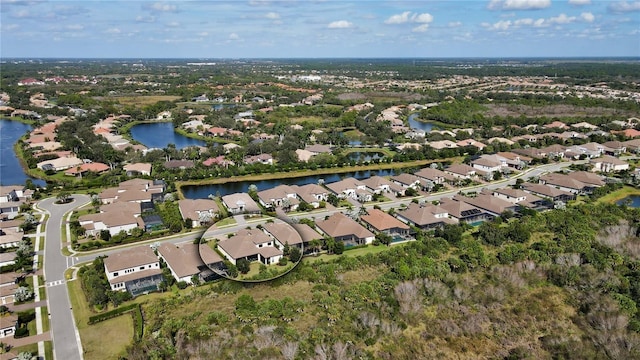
<point x="409" y="181"/>
<point x="250" y="244"/>
<point x="608" y="163"/>
<point x="614" y="148"/>
<point x="179" y="164"/>
<point x="281" y="196"/>
<point x="8" y="325"/>
<point x="436" y="176"/>
<point x="188" y="260"/>
<point x="240" y="203"/>
<point x="471" y="142"/>
<point x="488" y="203"/>
<point x="350" y="188"/>
<point x="134" y="190"/>
<point x="136" y="169"/>
<point x="489" y="163"/>
<point x="136" y="270"/>
<point x="567" y="183"/>
<point x="549" y="192"/>
<point x="343" y="228"/>
<point x="588" y="178"/>
<point x="199" y="211"/>
<point x="522" y="198"/>
<point x="10" y="236"/>
<point x="424" y="216"/>
<point x="461" y="171"/>
<point x="81" y="170"/>
<point x="265" y="159"/>
<point x="633" y="146"/>
<point x="114" y="217"/>
<point x="379" y="221"/>
<point x="312" y="194"/>
<point x="377" y="184"/>
<point x="464" y="212"/>
<point x="283" y="233"/>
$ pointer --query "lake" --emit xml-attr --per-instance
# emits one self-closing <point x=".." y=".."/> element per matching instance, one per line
<point x="203" y="191"/>
<point x="11" y="173"/>
<point x="420" y="125"/>
<point x="634" y="201"/>
<point x="160" y="134"/>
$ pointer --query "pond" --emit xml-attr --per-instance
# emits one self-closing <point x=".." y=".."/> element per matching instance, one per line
<point x="160" y="134"/>
<point x="203" y="191"/>
<point x="420" y="125"/>
<point x="11" y="172"/>
<point x="365" y="156"/>
<point x="631" y="201"/>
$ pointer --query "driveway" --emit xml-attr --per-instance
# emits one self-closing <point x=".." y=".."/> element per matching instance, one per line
<point x="66" y="340"/>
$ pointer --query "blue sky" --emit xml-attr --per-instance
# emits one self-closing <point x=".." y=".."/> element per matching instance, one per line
<point x="319" y="28"/>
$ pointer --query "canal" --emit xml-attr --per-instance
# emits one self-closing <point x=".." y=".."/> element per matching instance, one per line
<point x="203" y="191"/>
<point x="11" y="172"/>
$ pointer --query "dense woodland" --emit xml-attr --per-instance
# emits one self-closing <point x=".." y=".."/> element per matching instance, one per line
<point x="563" y="284"/>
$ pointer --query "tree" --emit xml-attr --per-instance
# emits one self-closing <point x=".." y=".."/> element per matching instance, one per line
<point x="384" y="238"/>
<point x="295" y="254"/>
<point x="243" y="265"/>
<point x="23" y="294"/>
<point x="105" y="235"/>
<point x="63" y="197"/>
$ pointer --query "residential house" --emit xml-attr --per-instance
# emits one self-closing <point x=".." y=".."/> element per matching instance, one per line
<point x="424" y="216"/>
<point x="281" y="196"/>
<point x="514" y="160"/>
<point x="136" y="270"/>
<point x="442" y="144"/>
<point x="188" y="260"/>
<point x="608" y="163"/>
<point x="377" y="184"/>
<point x="137" y="169"/>
<point x="13" y="193"/>
<point x="490" y="204"/>
<point x="265" y="159"/>
<point x="312" y="194"/>
<point x="614" y="148"/>
<point x="8" y="324"/>
<point x="471" y="142"/>
<point x="218" y="160"/>
<point x="567" y="183"/>
<point x="10" y="233"/>
<point x="489" y="163"/>
<point x="81" y="170"/>
<point x="134" y="190"/>
<point x="199" y="211"/>
<point x="461" y="171"/>
<point x="60" y="164"/>
<point x="317" y="149"/>
<point x="410" y="181"/>
<point x="464" y="212"/>
<point x="343" y="228"/>
<point x="283" y="234"/>
<point x="7" y="258"/>
<point x="549" y="192"/>
<point x="250" y="244"/>
<point x="350" y="188"/>
<point x="379" y="221"/>
<point x="522" y="198"/>
<point x="633" y="146"/>
<point x="436" y="176"/>
<point x="114" y="217"/>
<point x="240" y="203"/>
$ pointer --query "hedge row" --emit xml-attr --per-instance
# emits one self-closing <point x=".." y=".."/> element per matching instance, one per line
<point x="138" y="324"/>
<point x="113" y="313"/>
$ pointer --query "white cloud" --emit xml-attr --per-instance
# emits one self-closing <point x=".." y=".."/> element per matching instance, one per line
<point x="74" y="27"/>
<point x="408" y="16"/>
<point x="173" y="24"/>
<point x="624" y="6"/>
<point x="398" y="18"/>
<point x="234" y="36"/>
<point x="421" y="28"/>
<point x="22" y="14"/>
<point x="340" y="24"/>
<point x="562" y="19"/>
<point x="455" y="24"/>
<point x="525" y="21"/>
<point x="518" y="4"/>
<point x="424" y="18"/>
<point x="587" y="16"/>
<point x="272" y="16"/>
<point x="579" y="2"/>
<point x="113" y="31"/>
<point x="259" y="2"/>
<point x="146" y="19"/>
<point x="501" y="25"/>
<point x="204" y="33"/>
<point x="10" y="27"/>
<point x="161" y="7"/>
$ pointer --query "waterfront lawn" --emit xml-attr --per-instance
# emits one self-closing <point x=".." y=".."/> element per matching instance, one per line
<point x="619" y="194"/>
<point x="370" y="249"/>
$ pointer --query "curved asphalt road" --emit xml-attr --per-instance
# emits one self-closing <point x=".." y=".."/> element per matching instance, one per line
<point x="66" y="341"/>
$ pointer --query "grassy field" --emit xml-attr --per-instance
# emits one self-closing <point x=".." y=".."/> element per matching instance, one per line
<point x="117" y="332"/>
<point x="619" y="194"/>
<point x="140" y="101"/>
<point x="371" y="249"/>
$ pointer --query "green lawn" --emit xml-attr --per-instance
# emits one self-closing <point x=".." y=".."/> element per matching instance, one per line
<point x="31" y="348"/>
<point x="44" y="311"/>
<point x="48" y="350"/>
<point x="226" y="222"/>
<point x="371" y="249"/>
<point x="619" y="194"/>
